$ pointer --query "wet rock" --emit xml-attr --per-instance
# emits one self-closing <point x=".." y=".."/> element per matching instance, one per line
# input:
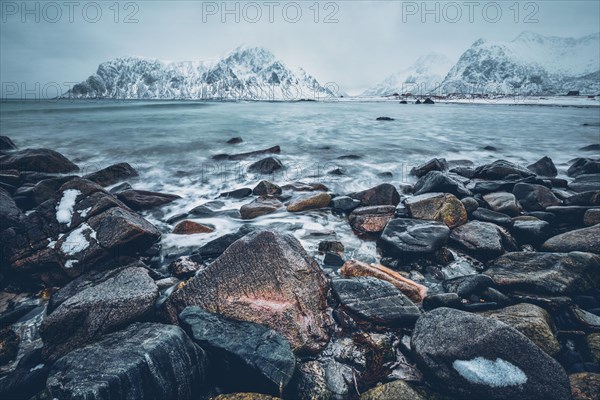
<point x="591" y="198"/>
<point x="384" y="119"/>
<point x="121" y="187"/>
<point x="310" y="202"/>
<point x="503" y="202"/>
<point x="546" y="273"/>
<point x="428" y="101"/>
<point x="235" y="140"/>
<point x="37" y="160"/>
<point x="344" y="203"/>
<point x="442" y="207"/>
<point x="434" y="301"/>
<point x="214" y="209"/>
<point x="9" y="345"/>
<point x="156" y="361"/>
<point x="237" y="193"/>
<point x="470" y="204"/>
<point x="583" y="166"/>
<point x="266" y="166"/>
<point x="585" y="386"/>
<point x="501" y="169"/>
<point x="470" y="356"/>
<point x="143" y="200"/>
<point x="533" y="322"/>
<point x="585" y="183"/>
<point x="530" y="230"/>
<point x="265" y="278"/>
<point x="469" y="285"/>
<point x="593" y="343"/>
<point x="435" y="164"/>
<point x="260" y="358"/>
<point x="260" y="207"/>
<point x="544" y="167"/>
<point x="591" y="147"/>
<point x="585" y="239"/>
<point x="375" y="300"/>
<point x="244" y="396"/>
<point x="568" y="215"/>
<point x="47" y="189"/>
<point x="591" y="217"/>
<point x="114" y="299"/>
<point x="483" y="240"/>
<point x="113" y="174"/>
<point x="186" y="267"/>
<point x="188" y="227"/>
<point x="411" y="289"/>
<point x="241" y="156"/>
<point x="485" y="215"/>
<point x="6" y="143"/>
<point x="381" y="195"/>
<point x="535" y="197"/>
<point x="305" y="187"/>
<point x="333" y="259"/>
<point x="327" y="246"/>
<point x="396" y="390"/>
<point x="406" y="239"/>
<point x="27" y="380"/>
<point x="436" y="181"/>
<point x="266" y="188"/>
<point x="217" y="246"/>
<point x="336" y="172"/>
<point x="10" y="214"/>
<point x="371" y="220"/>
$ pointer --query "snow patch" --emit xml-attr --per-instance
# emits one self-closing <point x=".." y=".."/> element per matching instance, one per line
<point x="498" y="373"/>
<point x="64" y="210"/>
<point x="77" y="242"/>
<point x="84" y="213"/>
<point x="39" y="366"/>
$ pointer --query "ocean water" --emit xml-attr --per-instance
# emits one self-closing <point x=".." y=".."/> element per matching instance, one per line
<point x="171" y="144"/>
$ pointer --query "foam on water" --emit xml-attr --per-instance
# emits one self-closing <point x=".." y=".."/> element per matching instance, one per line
<point x="494" y="373"/>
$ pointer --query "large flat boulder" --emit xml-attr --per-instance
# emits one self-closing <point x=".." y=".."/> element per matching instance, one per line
<point x="112" y="174"/>
<point x="501" y="169"/>
<point x="371" y="219"/>
<point x="37" y="160"/>
<point x="405" y="238"/>
<point x="266" y="278"/>
<point x="585" y="239"/>
<point x="483" y="240"/>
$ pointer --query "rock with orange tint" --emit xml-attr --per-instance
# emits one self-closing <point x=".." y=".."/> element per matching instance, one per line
<point x="188" y="227"/>
<point x="372" y="219"/>
<point x="412" y="290"/>
<point x="266" y="278"/>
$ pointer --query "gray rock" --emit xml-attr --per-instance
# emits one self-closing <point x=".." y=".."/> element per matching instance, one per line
<point x="380" y="195"/>
<point x="470" y="203"/>
<point x="583" y="166"/>
<point x="483" y="240"/>
<point x="259" y="358"/>
<point x="535" y="197"/>
<point x="503" y="202"/>
<point x="266" y="166"/>
<point x="485" y="215"/>
<point x="217" y="246"/>
<point x="344" y="203"/>
<point x="143" y="200"/>
<point x="37" y="160"/>
<point x="266" y="188"/>
<point x="473" y="357"/>
<point x="259" y="207"/>
<point x="143" y="361"/>
<point x="436" y="181"/>
<point x="435" y="164"/>
<point x="585" y="183"/>
<point x="10" y="214"/>
<point x="500" y="170"/>
<point x="112" y="174"/>
<point x="530" y="230"/>
<point x="405" y="238"/>
<point x="544" y="167"/>
<point x="591" y="217"/>
<point x="591" y="198"/>
<point x="585" y="239"/>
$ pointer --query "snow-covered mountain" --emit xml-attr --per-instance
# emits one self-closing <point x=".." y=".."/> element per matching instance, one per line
<point x="247" y="73"/>
<point x="529" y="64"/>
<point x="424" y="76"/>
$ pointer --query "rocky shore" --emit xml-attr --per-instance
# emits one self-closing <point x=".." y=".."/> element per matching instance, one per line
<point x="487" y="286"/>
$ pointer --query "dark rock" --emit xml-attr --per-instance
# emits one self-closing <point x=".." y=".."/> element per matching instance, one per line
<point x="266" y="166"/>
<point x="260" y="358"/>
<point x="591" y="198"/>
<point x="542" y="215"/>
<point x="380" y="195"/>
<point x="120" y="188"/>
<point x="428" y="101"/>
<point x="436" y="181"/>
<point x="375" y="300"/>
<point x="10" y="214"/>
<point x="259" y="207"/>
<point x="503" y="202"/>
<point x="241" y="156"/>
<point x="473" y="284"/>
<point x="6" y="143"/>
<point x="186" y="267"/>
<point x="371" y="220"/>
<point x="501" y="169"/>
<point x="470" y="204"/>
<point x="583" y="166"/>
<point x="418" y="101"/>
<point x="535" y="197"/>
<point x="336" y="172"/>
<point x="591" y="147"/>
<point x="265" y="278"/>
<point x="544" y="167"/>
<point x="327" y="246"/>
<point x="112" y="300"/>
<point x="113" y="174"/>
<point x="546" y="273"/>
<point x="143" y="200"/>
<point x="585" y="183"/>
<point x="384" y="119"/>
<point x="490" y="148"/>
<point x="485" y="215"/>
<point x="475" y="357"/>
<point x="333" y="259"/>
<point x="190" y="228"/>
<point x="27" y="380"/>
<point x="216" y="247"/>
<point x="237" y="193"/>
<point x="591" y="217"/>
<point x="305" y="187"/>
<point x="530" y="230"/>
<point x="442" y="207"/>
<point x="585" y="385"/>
<point x="386" y="174"/>
<point x="435" y="164"/>
<point x="37" y="160"/>
<point x="48" y="188"/>
<point x="569" y="215"/>
<point x="349" y="157"/>
<point x="344" y="203"/>
<point x="309" y="202"/>
<point x="9" y="345"/>
<point x="235" y="140"/>
<point x="585" y="239"/>
<point x="156" y="361"/>
<point x="434" y="301"/>
<point x="482" y="239"/>
<point x="408" y="238"/>
<point x="266" y="188"/>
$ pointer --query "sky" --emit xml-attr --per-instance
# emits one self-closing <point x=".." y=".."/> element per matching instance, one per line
<point x="354" y="44"/>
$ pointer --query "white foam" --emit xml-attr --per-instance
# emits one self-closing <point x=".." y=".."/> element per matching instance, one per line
<point x="64" y="210"/>
<point x="494" y="373"/>
<point x="76" y="242"/>
<point x="39" y="366"/>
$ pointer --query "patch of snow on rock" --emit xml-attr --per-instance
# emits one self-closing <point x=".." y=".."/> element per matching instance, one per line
<point x="76" y="242"/>
<point x="498" y="373"/>
<point x="64" y="210"/>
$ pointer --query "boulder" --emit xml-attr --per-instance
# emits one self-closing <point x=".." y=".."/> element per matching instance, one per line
<point x="436" y="181"/>
<point x="406" y="239"/>
<point x="266" y="278"/>
<point x="259" y="358"/>
<point x="470" y="357"/>
<point x="442" y="207"/>
<point x="6" y="143"/>
<point x="471" y="204"/>
<point x="344" y="203"/>
<point x="109" y="301"/>
<point x="569" y="215"/>
<point x="188" y="227"/>
<point x="266" y="166"/>
<point x="372" y="219"/>
<point x="593" y="343"/>
<point x="143" y="361"/>
<point x="237" y="193"/>
<point x="483" y="240"/>
<point x="375" y="301"/>
<point x="533" y="322"/>
<point x="217" y="246"/>
<point x="547" y="273"/>
<point x="585" y="386"/>
<point x="485" y="215"/>
<point x="10" y="214"/>
<point x="591" y="217"/>
<point x="591" y="198"/>
<point x="501" y="169"/>
<point x="503" y="202"/>
<point x="435" y="164"/>
<point x="583" y="166"/>
<point x="143" y="200"/>
<point x="530" y="230"/>
<point x="396" y="390"/>
<point x="241" y="156"/>
<point x="266" y="188"/>
<point x="259" y="207"/>
<point x="414" y="291"/>
<point x="585" y="183"/>
<point x="28" y="379"/>
<point x="380" y="195"/>
<point x="185" y="267"/>
<point x="544" y="167"/>
<point x="112" y="174"/>
<point x="37" y="160"/>
<point x="535" y="197"/>
<point x="585" y="239"/>
<point x="310" y="202"/>
<point x="235" y="140"/>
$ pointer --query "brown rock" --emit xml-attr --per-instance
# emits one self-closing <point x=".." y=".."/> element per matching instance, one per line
<point x="442" y="207"/>
<point x="412" y="290"/>
<point x="503" y="202"/>
<point x="591" y="217"/>
<point x="188" y="227"/>
<point x="593" y="343"/>
<point x="259" y="207"/>
<point x="368" y="220"/>
<point x="319" y="200"/>
<point x="144" y="200"/>
<point x="585" y="386"/>
<point x="396" y="390"/>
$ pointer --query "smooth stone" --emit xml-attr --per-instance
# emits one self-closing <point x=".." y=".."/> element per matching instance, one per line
<point x="380" y="195"/>
<point x="408" y="238"/>
<point x="112" y="174"/>
<point x="442" y="207"/>
<point x="143" y="200"/>
<point x="485" y="215"/>
<point x="436" y="181"/>
<point x="260" y="207"/>
<point x="266" y="166"/>
<point x="501" y="169"/>
<point x="241" y="156"/>
<point x="591" y="198"/>
<point x="190" y="228"/>
<point x="583" y="166"/>
<point x="482" y="239"/>
<point x="435" y="164"/>
<point x="473" y="284"/>
<point x="259" y="358"/>
<point x="371" y="220"/>
<point x="591" y="217"/>
<point x="470" y="204"/>
<point x="585" y="183"/>
<point x="235" y="140"/>
<point x="469" y="356"/>
<point x="237" y="193"/>
<point x="569" y="215"/>
<point x="37" y="160"/>
<point x="266" y="278"/>
<point x="544" y="167"/>
<point x="434" y="301"/>
<point x="384" y="119"/>
<point x="503" y="202"/>
<point x="310" y="202"/>
<point x="585" y="239"/>
<point x="535" y="197"/>
<point x="121" y="187"/>
<point x="6" y="143"/>
<point x="333" y="259"/>
<point x="344" y="203"/>
<point x="530" y="230"/>
<point x="266" y="188"/>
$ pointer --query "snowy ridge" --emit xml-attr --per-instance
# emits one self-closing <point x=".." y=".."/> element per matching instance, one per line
<point x="247" y="73"/>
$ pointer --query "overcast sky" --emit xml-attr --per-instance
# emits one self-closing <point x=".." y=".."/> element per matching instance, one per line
<point x="352" y="43"/>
